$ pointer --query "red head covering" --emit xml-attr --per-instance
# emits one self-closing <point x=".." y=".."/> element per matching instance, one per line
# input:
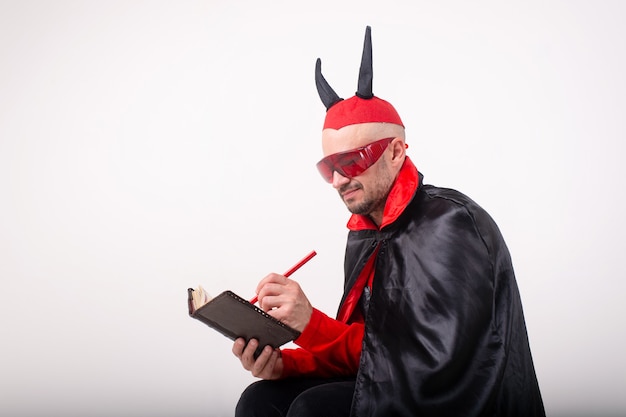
<point x="359" y="110"/>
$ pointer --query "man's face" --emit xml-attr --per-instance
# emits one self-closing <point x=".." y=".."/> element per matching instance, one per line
<point x="366" y="193"/>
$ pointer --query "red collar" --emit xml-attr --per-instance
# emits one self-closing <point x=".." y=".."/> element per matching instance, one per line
<point x="399" y="197"/>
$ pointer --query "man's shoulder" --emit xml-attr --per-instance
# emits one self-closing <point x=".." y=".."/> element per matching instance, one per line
<point x="446" y="200"/>
<point x="446" y="203"/>
<point x="431" y="192"/>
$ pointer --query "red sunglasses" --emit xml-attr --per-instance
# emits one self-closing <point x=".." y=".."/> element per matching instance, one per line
<point x="352" y="163"/>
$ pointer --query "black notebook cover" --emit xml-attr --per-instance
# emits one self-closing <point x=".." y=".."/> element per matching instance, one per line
<point x="235" y="317"/>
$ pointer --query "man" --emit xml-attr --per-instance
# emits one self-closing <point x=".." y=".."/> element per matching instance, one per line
<point x="430" y="323"/>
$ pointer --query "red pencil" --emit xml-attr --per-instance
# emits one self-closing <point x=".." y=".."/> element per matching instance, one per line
<point x="291" y="271"/>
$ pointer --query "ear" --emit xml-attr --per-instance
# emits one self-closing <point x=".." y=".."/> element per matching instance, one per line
<point x="398" y="149"/>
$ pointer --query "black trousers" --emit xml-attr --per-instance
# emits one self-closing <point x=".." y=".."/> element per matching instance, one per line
<point x="301" y="397"/>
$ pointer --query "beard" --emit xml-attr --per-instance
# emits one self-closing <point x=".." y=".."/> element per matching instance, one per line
<point x="374" y="195"/>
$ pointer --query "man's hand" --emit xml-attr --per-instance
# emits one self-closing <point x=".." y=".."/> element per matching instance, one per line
<point x="283" y="299"/>
<point x="269" y="364"/>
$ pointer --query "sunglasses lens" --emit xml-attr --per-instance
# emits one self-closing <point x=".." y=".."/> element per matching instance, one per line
<point x="349" y="165"/>
<point x="325" y="169"/>
<point x="352" y="163"/>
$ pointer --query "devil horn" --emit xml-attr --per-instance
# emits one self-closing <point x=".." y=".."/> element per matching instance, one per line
<point x="364" y="89"/>
<point x="327" y="94"/>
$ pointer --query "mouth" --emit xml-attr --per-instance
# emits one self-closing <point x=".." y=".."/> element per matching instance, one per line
<point x="348" y="194"/>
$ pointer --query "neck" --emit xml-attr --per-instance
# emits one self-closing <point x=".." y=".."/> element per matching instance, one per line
<point x="377" y="216"/>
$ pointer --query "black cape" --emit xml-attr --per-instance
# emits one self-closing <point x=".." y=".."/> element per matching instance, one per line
<point x="444" y="328"/>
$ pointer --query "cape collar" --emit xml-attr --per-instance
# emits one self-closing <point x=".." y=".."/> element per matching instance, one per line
<point x="400" y="196"/>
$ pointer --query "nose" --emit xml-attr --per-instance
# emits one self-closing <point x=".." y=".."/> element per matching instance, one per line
<point x="339" y="180"/>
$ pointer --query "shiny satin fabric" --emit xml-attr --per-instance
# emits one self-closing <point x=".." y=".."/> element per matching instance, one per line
<point x="445" y="332"/>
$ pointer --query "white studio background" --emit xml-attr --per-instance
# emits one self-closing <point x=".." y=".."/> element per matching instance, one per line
<point x="146" y="147"/>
